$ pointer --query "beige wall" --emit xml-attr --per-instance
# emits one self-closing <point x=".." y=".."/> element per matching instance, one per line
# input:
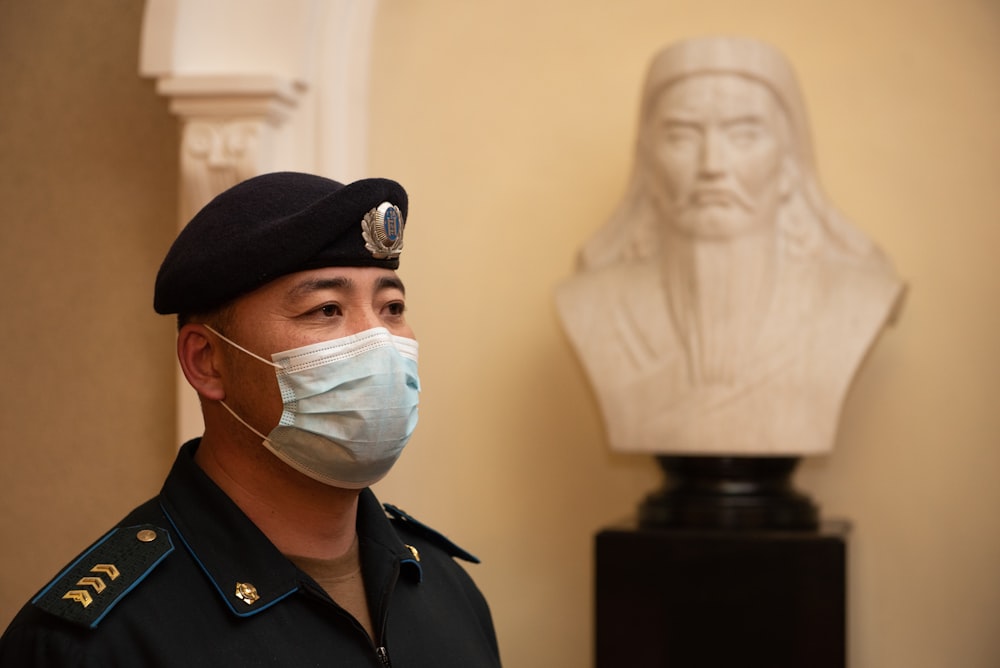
<point x="88" y="197"/>
<point x="511" y="124"/>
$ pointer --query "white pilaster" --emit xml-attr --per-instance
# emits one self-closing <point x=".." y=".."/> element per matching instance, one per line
<point x="259" y="86"/>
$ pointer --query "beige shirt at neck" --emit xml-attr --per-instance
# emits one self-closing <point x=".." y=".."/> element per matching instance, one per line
<point x="341" y="578"/>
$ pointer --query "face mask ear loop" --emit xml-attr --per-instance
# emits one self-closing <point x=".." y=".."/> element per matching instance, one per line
<point x="241" y="348"/>
<point x="241" y="420"/>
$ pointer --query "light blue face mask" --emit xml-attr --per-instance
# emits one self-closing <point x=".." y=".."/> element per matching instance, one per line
<point x="350" y="405"/>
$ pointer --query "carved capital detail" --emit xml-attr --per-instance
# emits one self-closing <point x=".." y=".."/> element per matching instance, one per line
<point x="219" y="153"/>
<point x="230" y="127"/>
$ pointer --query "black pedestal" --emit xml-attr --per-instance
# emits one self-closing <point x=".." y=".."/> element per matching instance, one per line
<point x="689" y="598"/>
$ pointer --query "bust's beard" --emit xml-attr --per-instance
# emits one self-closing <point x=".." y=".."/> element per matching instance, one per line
<point x="719" y="292"/>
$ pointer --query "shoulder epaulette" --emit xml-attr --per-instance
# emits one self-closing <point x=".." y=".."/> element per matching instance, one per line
<point x="93" y="584"/>
<point x="402" y="519"/>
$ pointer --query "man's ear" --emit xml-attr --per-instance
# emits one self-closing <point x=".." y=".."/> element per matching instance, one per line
<point x="200" y="358"/>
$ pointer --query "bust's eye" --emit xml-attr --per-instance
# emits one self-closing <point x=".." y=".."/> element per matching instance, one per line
<point x="678" y="136"/>
<point x="745" y="134"/>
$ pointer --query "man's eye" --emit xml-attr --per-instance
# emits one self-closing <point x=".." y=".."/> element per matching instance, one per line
<point x="329" y="310"/>
<point x="396" y="308"/>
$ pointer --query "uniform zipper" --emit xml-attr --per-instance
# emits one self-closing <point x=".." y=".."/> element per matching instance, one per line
<point x="383" y="611"/>
<point x="381" y="651"/>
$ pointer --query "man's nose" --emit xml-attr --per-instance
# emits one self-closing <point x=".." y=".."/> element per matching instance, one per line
<point x="362" y="318"/>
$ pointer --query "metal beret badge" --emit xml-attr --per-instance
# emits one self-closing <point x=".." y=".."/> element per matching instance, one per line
<point x="382" y="229"/>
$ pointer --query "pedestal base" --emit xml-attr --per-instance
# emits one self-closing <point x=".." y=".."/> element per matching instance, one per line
<point x="690" y="599"/>
<point x="732" y="493"/>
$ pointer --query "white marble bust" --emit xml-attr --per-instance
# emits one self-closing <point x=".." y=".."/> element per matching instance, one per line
<point x="725" y="307"/>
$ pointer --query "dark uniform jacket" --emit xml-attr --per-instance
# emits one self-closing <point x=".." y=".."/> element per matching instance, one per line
<point x="188" y="580"/>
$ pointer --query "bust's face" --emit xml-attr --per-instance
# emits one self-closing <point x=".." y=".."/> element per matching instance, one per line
<point x="716" y="152"/>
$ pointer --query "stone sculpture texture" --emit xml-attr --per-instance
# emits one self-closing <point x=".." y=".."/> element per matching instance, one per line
<point x="726" y="306"/>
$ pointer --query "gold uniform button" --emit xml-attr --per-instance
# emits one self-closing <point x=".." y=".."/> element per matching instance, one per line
<point x="246" y="592"/>
<point x="146" y="535"/>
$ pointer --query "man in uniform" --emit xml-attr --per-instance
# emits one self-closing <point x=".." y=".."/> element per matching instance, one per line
<point x="265" y="546"/>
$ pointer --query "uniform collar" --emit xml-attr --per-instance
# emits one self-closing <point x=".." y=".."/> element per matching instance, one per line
<point x="244" y="566"/>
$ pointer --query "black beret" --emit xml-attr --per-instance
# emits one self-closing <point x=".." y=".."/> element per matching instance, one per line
<point x="276" y="224"/>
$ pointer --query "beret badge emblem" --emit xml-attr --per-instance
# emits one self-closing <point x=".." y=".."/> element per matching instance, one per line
<point x="382" y="229"/>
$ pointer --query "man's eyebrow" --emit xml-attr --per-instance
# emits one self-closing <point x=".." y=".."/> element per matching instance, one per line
<point x="342" y="283"/>
<point x="390" y="283"/>
<point x="316" y="284"/>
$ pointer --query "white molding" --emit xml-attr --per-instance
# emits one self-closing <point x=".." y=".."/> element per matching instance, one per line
<point x="215" y="95"/>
